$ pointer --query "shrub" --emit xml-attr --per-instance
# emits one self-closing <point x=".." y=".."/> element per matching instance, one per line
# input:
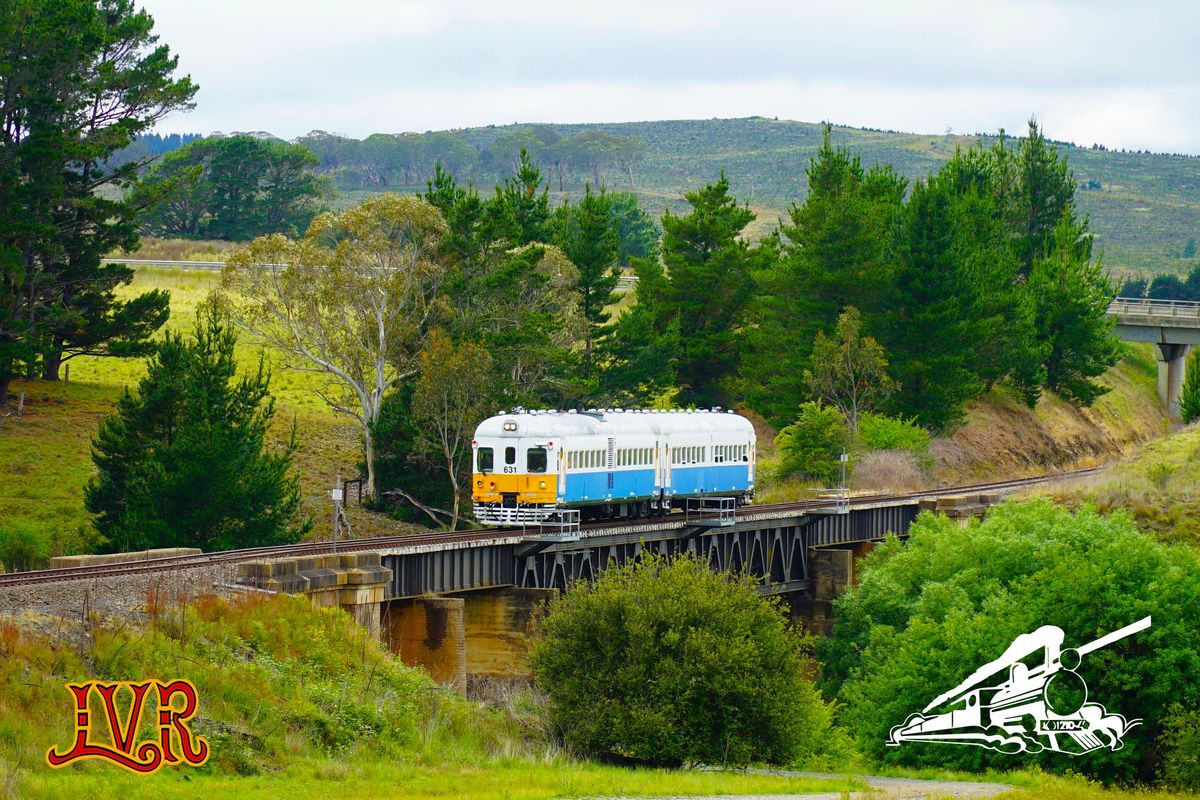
<point x="812" y="445"/>
<point x="888" y="471"/>
<point x="879" y="432"/>
<point x="1180" y="742"/>
<point x="1189" y="397"/>
<point x="925" y="615"/>
<point x="22" y="547"/>
<point x="667" y="662"/>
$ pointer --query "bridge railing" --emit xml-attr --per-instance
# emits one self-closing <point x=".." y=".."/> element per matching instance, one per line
<point x="1146" y="307"/>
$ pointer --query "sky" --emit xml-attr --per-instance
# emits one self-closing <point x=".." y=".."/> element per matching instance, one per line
<point x="1122" y="74"/>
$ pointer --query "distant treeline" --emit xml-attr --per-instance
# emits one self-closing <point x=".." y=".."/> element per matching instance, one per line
<point x="387" y="161"/>
<point x="1165" y="287"/>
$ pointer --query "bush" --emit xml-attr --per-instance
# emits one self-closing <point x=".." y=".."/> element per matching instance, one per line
<point x="22" y="547"/>
<point x="667" y="662"/>
<point x="925" y="615"/>
<point x="812" y="445"/>
<point x="1180" y="742"/>
<point x="879" y="432"/>
<point x="888" y="471"/>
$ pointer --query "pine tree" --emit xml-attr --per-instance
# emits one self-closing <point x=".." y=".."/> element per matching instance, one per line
<point x="523" y="204"/>
<point x="587" y="235"/>
<point x="834" y="250"/>
<point x="1072" y="297"/>
<point x="930" y="332"/>
<point x="1189" y="398"/>
<point x="183" y="461"/>
<point x="708" y="283"/>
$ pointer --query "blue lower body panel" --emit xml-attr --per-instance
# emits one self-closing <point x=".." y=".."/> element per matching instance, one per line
<point x="638" y="484"/>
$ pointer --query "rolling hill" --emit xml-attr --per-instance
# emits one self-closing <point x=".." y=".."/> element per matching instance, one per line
<point x="1144" y="206"/>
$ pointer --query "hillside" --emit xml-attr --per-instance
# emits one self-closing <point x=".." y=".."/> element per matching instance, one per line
<point x="1144" y="206"/>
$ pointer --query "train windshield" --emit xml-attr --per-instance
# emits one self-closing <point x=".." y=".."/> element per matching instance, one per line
<point x="535" y="459"/>
<point x="486" y="459"/>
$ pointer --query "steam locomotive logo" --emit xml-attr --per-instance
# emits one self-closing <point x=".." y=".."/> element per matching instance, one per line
<point x="1028" y="700"/>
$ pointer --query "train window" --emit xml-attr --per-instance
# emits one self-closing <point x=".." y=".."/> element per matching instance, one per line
<point x="535" y="459"/>
<point x="510" y="455"/>
<point x="486" y="456"/>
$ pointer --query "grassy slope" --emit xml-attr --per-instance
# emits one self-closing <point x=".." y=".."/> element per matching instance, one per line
<point x="1003" y="437"/>
<point x="298" y="698"/>
<point x="1159" y="486"/>
<point x="1147" y="208"/>
<point x="45" y="454"/>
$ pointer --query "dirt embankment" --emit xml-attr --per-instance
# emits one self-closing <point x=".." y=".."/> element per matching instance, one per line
<point x="1003" y="437"/>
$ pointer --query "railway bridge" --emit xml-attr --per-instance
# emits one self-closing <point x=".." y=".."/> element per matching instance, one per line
<point x="1172" y="325"/>
<point x="459" y="603"/>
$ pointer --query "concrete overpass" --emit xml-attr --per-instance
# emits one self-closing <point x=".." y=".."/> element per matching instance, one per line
<point x="1172" y="325"/>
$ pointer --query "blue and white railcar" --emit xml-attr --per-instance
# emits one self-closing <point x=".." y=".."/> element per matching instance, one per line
<point x="608" y="463"/>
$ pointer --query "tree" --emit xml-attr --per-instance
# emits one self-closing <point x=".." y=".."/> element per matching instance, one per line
<point x="1134" y="287"/>
<point x="931" y="333"/>
<point x="849" y="370"/>
<point x="1045" y="193"/>
<point x="668" y="662"/>
<point x="1189" y="249"/>
<point x="1189" y="397"/>
<point x="184" y="461"/>
<point x="708" y="283"/>
<point x="835" y="250"/>
<point x="637" y="236"/>
<point x="233" y="188"/>
<point x="523" y="204"/>
<point x="1167" y="287"/>
<point x="1072" y="297"/>
<point x="812" y="445"/>
<point x="586" y="235"/>
<point x="354" y="300"/>
<point x="450" y="398"/>
<point x="927" y="613"/>
<point x="82" y="78"/>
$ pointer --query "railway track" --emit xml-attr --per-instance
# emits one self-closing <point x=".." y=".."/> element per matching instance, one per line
<point x="170" y="563"/>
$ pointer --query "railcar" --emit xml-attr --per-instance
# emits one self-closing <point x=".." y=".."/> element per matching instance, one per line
<point x="607" y="463"/>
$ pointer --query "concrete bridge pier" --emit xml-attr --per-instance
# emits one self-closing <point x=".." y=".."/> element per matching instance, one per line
<point x="1172" y="363"/>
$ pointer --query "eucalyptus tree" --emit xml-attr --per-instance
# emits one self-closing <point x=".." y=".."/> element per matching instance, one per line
<point x="354" y="300"/>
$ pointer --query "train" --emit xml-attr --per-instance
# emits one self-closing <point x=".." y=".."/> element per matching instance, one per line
<point x="529" y="465"/>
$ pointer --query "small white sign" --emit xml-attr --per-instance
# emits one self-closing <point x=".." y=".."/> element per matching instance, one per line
<point x="337" y="495"/>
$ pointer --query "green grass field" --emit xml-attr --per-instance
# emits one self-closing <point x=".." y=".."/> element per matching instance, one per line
<point x="45" y="454"/>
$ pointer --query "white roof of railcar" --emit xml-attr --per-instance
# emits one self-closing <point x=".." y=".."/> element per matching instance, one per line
<point x="550" y="424"/>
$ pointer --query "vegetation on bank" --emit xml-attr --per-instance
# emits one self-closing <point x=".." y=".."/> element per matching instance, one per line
<point x="297" y="697"/>
<point x="668" y="662"/>
<point x="927" y="613"/>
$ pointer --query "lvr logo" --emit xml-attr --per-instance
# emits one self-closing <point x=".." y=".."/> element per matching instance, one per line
<point x="1028" y="700"/>
<point x="145" y="757"/>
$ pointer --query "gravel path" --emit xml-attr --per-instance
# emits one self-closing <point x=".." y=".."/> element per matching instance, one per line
<point x="881" y="789"/>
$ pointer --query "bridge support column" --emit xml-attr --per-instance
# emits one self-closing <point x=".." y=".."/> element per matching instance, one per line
<point x="496" y="623"/>
<point x="1172" y="360"/>
<point x="428" y="632"/>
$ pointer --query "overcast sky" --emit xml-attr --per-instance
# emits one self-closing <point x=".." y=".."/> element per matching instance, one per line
<point x="1122" y="74"/>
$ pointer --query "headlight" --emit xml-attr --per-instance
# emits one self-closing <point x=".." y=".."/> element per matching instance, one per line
<point x="479" y="484"/>
<point x="542" y="485"/>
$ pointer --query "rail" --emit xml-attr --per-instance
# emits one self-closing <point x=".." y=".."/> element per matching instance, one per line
<point x="460" y="538"/>
<point x="713" y="512"/>
<point x="1146" y="307"/>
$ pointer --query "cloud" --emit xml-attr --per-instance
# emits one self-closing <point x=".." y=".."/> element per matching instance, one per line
<point x="1094" y="71"/>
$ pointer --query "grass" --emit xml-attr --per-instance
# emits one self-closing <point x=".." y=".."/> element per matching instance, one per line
<point x="45" y="455"/>
<point x="1159" y="487"/>
<point x="303" y="698"/>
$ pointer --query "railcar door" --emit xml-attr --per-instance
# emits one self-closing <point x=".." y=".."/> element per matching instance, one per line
<point x="610" y="462"/>
<point x="562" y="473"/>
